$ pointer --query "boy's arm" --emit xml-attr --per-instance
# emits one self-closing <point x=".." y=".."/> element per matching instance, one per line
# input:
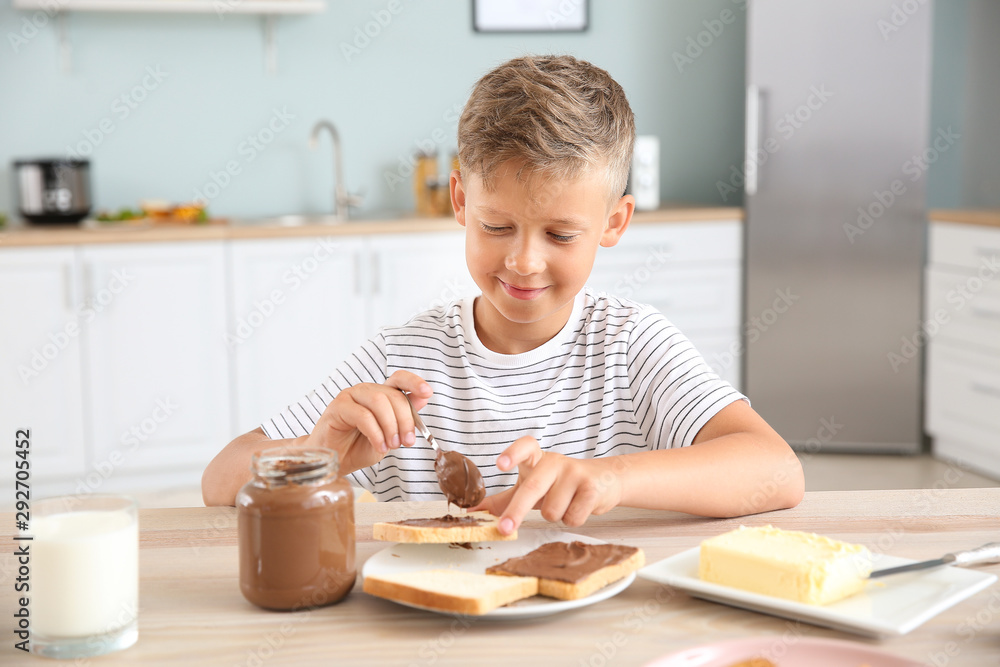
<point x="226" y="474"/>
<point x="737" y="465"/>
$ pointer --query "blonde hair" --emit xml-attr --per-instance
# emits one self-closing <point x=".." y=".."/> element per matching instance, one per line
<point x="552" y="115"/>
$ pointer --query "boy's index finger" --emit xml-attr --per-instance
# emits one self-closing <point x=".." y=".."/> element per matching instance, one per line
<point x="525" y="452"/>
<point x="532" y="485"/>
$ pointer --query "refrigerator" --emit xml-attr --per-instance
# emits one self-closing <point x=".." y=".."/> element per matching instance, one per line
<point x="837" y="113"/>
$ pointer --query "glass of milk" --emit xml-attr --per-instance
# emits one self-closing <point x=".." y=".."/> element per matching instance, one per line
<point x="84" y="597"/>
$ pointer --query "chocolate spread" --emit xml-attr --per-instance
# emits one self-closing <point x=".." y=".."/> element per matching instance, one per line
<point x="565" y="561"/>
<point x="459" y="479"/>
<point x="296" y="536"/>
<point x="446" y="521"/>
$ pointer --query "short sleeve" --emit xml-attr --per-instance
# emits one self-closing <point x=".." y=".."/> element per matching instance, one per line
<point x="674" y="391"/>
<point x="366" y="364"/>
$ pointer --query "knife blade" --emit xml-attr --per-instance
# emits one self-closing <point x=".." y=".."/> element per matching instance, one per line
<point x="988" y="553"/>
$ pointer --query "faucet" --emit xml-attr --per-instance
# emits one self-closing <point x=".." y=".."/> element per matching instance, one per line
<point x="342" y="199"/>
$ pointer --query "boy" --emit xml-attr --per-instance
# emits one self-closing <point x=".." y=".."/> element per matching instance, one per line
<point x="568" y="400"/>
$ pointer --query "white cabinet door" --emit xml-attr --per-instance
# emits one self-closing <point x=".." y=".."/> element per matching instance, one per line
<point x="40" y="380"/>
<point x="157" y="367"/>
<point x="299" y="310"/>
<point x="412" y="273"/>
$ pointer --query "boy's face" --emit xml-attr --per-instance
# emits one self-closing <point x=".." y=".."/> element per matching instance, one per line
<point x="530" y="245"/>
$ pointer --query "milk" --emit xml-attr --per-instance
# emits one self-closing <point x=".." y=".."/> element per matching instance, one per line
<point x="84" y="573"/>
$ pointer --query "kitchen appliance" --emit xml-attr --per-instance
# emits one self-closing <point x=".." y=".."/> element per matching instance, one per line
<point x="838" y="105"/>
<point x="53" y="190"/>
<point x="645" y="174"/>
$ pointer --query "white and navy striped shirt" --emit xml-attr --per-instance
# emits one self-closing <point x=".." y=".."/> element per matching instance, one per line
<point x="617" y="378"/>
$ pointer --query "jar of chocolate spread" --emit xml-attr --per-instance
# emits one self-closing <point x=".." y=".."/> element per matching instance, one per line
<point x="296" y="530"/>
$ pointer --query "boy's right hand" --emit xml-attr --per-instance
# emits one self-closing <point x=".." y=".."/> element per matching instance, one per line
<point x="367" y="420"/>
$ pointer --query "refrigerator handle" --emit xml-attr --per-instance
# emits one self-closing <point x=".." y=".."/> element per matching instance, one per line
<point x="750" y="166"/>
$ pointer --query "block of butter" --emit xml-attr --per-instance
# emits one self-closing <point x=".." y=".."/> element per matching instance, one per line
<point x="789" y="564"/>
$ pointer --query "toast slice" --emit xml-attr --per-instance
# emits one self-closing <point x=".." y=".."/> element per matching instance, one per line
<point x="451" y="591"/>
<point x="471" y="527"/>
<point x="573" y="570"/>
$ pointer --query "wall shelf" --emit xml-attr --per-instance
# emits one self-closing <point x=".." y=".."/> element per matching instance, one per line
<point x="268" y="10"/>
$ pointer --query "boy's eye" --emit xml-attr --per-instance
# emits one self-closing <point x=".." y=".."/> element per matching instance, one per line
<point x="563" y="239"/>
<point x="490" y="229"/>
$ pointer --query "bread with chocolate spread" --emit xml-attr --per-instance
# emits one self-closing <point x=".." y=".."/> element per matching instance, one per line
<point x="573" y="570"/>
<point x="471" y="527"/>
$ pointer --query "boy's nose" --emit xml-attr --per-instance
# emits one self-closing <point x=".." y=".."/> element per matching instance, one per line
<point x="525" y="258"/>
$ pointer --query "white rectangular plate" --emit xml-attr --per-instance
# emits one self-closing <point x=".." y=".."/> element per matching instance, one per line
<point x="888" y="607"/>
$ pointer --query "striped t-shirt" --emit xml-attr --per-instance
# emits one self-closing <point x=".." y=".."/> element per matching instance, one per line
<point x="618" y="378"/>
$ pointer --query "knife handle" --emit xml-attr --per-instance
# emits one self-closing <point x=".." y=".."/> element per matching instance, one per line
<point x="988" y="553"/>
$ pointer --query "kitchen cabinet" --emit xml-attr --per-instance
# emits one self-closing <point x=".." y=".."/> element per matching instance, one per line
<point x="40" y="380"/>
<point x="299" y="308"/>
<point x="156" y="359"/>
<point x="962" y="333"/>
<point x="691" y="272"/>
<point x="412" y="273"/>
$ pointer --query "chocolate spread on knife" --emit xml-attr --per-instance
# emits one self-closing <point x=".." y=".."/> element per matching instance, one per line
<point x="446" y="521"/>
<point x="565" y="561"/>
<point x="459" y="479"/>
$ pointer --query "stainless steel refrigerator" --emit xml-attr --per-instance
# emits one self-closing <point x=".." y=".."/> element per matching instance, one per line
<point x="838" y="106"/>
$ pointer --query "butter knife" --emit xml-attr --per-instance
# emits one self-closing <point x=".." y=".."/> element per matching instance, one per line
<point x="988" y="553"/>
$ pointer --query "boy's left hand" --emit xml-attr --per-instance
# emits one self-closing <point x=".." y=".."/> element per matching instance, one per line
<point x="563" y="488"/>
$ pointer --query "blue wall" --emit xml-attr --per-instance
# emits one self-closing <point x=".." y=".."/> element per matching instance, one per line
<point x="401" y="89"/>
<point x="404" y="86"/>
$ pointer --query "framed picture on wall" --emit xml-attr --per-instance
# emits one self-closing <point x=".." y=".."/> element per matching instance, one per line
<point x="530" y="15"/>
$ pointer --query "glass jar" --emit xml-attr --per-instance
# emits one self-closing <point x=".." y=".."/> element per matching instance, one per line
<point x="296" y="530"/>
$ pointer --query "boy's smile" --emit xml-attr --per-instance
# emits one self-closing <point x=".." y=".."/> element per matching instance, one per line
<point x="530" y="243"/>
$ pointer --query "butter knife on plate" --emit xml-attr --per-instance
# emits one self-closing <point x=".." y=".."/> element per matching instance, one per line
<point x="988" y="553"/>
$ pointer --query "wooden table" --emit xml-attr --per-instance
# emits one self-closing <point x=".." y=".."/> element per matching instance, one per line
<point x="192" y="613"/>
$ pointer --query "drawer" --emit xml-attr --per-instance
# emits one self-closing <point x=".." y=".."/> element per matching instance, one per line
<point x="963" y="395"/>
<point x="966" y="307"/>
<point x="693" y="298"/>
<point x="981" y="457"/>
<point x="649" y="244"/>
<point x="966" y="246"/>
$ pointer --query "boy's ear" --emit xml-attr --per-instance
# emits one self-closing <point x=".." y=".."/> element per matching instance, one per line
<point x="457" y="196"/>
<point x="618" y="221"/>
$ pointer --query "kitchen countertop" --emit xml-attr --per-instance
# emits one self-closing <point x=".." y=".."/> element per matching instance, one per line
<point x="986" y="217"/>
<point x="191" y="610"/>
<point x="75" y="235"/>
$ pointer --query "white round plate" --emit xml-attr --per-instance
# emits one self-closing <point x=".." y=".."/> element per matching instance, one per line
<point x="413" y="557"/>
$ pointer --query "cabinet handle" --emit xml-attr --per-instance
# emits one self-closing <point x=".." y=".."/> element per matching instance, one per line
<point x="88" y="276"/>
<point x="357" y="273"/>
<point x="985" y="313"/>
<point x="752" y="139"/>
<point x="376" y="282"/>
<point x="986" y="389"/>
<point x="68" y="286"/>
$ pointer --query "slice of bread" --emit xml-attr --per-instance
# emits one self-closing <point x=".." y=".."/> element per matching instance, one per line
<point x="565" y="590"/>
<point x="451" y="591"/>
<point x="486" y="530"/>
